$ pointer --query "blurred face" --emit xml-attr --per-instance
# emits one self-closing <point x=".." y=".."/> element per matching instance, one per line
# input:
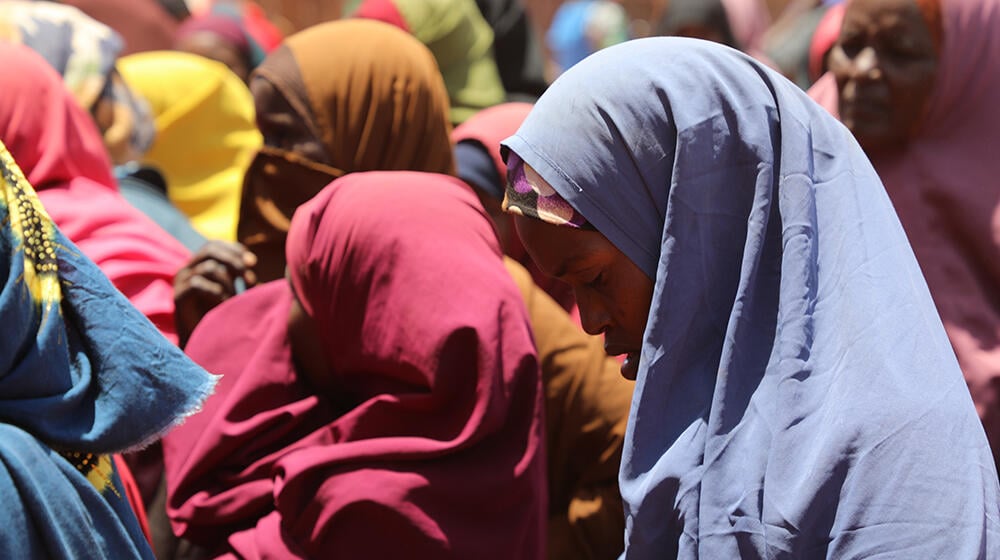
<point x="209" y="45"/>
<point x="884" y="63"/>
<point x="281" y="125"/>
<point x="613" y="294"/>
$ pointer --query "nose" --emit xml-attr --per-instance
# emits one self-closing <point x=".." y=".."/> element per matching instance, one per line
<point x="594" y="314"/>
<point x="866" y="65"/>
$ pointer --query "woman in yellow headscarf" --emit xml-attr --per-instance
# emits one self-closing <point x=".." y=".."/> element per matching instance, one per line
<point x="205" y="134"/>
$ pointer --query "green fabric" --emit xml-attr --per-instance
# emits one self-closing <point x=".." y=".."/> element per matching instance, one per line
<point x="462" y="43"/>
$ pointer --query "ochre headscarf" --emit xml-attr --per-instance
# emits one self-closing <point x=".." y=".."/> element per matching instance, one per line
<point x="376" y="96"/>
<point x="461" y="41"/>
<point x="371" y="95"/>
<point x="205" y="134"/>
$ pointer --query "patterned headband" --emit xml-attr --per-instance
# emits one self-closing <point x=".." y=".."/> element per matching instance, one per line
<point x="529" y="195"/>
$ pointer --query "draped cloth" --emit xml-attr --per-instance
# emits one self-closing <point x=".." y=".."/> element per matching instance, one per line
<point x="58" y="146"/>
<point x="486" y="130"/>
<point x="206" y="134"/>
<point x="586" y="407"/>
<point x="796" y="395"/>
<point x="462" y="44"/>
<point x="144" y="24"/>
<point x="84" y="52"/>
<point x="370" y="95"/>
<point x="82" y="375"/>
<point x="426" y="440"/>
<point x="943" y="184"/>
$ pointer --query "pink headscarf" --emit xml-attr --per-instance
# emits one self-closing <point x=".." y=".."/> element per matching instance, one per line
<point x="749" y="20"/>
<point x="59" y="148"/>
<point x="824" y="38"/>
<point x="427" y="443"/>
<point x="945" y="185"/>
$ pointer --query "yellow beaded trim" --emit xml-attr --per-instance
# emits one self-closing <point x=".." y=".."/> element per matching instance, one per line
<point x="97" y="468"/>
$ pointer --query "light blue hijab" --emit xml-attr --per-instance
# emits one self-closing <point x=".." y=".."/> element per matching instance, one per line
<point x="797" y="396"/>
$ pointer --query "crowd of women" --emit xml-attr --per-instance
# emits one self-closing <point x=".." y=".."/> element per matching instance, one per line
<point x="425" y="282"/>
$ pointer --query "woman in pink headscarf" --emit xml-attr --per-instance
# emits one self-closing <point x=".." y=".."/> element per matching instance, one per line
<point x="384" y="401"/>
<point x="921" y="98"/>
<point x="61" y="151"/>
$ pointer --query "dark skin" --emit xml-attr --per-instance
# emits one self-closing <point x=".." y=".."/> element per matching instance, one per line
<point x="884" y="62"/>
<point x="211" y="46"/>
<point x="613" y="294"/>
<point x="209" y="279"/>
<point x="308" y="351"/>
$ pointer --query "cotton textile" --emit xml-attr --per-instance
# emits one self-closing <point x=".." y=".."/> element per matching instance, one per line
<point x="426" y="441"/>
<point x="81" y="372"/>
<point x="796" y="396"/>
<point x="206" y="134"/>
<point x="943" y="184"/>
<point x="58" y="146"/>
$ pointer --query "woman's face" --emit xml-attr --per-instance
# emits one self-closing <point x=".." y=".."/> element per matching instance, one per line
<point x="884" y="62"/>
<point x="613" y="294"/>
<point x="281" y="125"/>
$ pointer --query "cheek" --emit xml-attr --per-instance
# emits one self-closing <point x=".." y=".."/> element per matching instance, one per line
<point x="911" y="89"/>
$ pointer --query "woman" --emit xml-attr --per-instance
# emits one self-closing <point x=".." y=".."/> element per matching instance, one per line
<point x="582" y="27"/>
<point x="699" y="19"/>
<point x="461" y="42"/>
<point x="478" y="161"/>
<point x="60" y="150"/>
<point x="354" y="120"/>
<point x="205" y="134"/>
<point x="516" y="48"/>
<point x="84" y="52"/>
<point x="796" y="394"/>
<point x="586" y="400"/>
<point x="337" y="431"/>
<point x="83" y="375"/>
<point x="338" y="98"/>
<point x="928" y="120"/>
<point x="220" y="37"/>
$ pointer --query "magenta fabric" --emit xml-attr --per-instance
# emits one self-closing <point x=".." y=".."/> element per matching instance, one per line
<point x="824" y="38"/>
<point x="59" y="148"/>
<point x="382" y="10"/>
<point x="427" y="440"/>
<point x="945" y="185"/>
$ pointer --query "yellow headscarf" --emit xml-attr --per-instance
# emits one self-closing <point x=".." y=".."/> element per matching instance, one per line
<point x="206" y="134"/>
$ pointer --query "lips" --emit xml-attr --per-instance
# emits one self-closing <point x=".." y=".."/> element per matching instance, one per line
<point x="630" y="366"/>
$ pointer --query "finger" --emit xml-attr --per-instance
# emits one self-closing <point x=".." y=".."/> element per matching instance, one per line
<point x="216" y="272"/>
<point x="230" y="254"/>
<point x="207" y="291"/>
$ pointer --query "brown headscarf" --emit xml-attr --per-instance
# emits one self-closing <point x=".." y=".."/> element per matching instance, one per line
<point x="371" y="95"/>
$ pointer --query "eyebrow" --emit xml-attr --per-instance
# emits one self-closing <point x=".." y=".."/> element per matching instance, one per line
<point x="564" y="268"/>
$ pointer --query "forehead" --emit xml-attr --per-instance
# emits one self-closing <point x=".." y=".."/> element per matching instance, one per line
<point x="561" y="250"/>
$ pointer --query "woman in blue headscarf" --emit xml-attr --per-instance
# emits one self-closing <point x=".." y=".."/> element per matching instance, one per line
<point x="82" y="375"/>
<point x="796" y="394"/>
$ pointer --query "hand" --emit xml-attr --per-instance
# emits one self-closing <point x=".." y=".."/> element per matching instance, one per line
<point x="211" y="277"/>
